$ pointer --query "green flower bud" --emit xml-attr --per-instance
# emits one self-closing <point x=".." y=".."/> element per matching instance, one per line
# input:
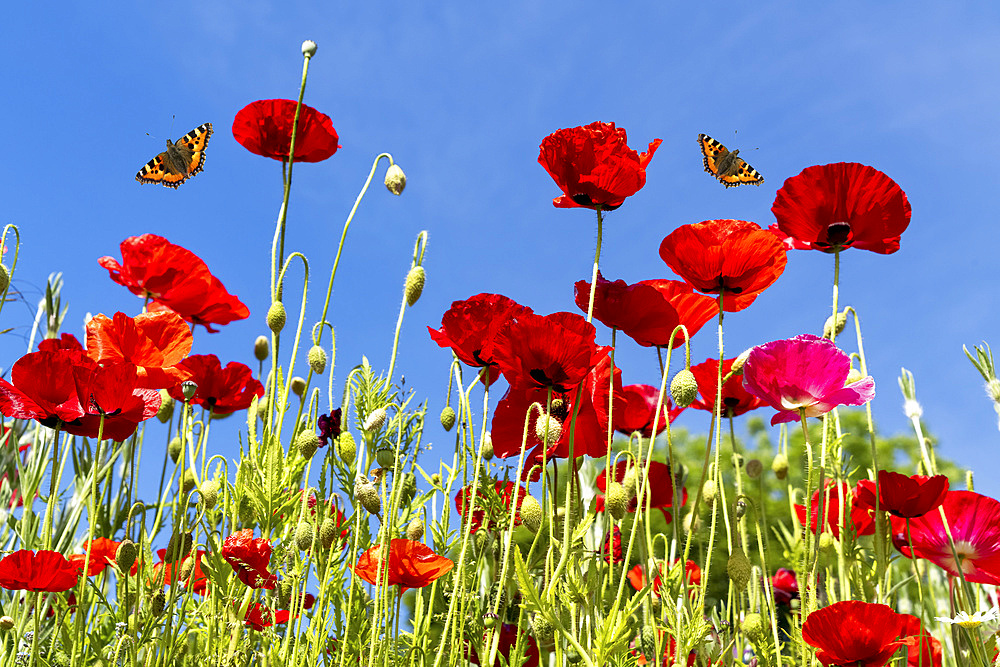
<point x="616" y="501"/>
<point x="159" y="602"/>
<point x="209" y="494"/>
<point x="414" y="287"/>
<point x="738" y="362"/>
<point x="395" y="179"/>
<point x="853" y="376"/>
<point x="531" y="514"/>
<point x="739" y="569"/>
<point x="647" y="640"/>
<point x="174" y="449"/>
<point x="298" y="386"/>
<point x="780" y="466"/>
<point x="407" y="488"/>
<point x="347" y="449"/>
<point x="317" y="359"/>
<point x="573" y="656"/>
<point x="684" y="388"/>
<point x="262" y="407"/>
<point x="366" y="494"/>
<point x="246" y="512"/>
<point x="6" y="623"/>
<point x="375" y="420"/>
<point x="307" y="442"/>
<point x="828" y="326"/>
<point x="166" y="409"/>
<point x="276" y="317"/>
<point x="448" y="418"/>
<point x="187" y="567"/>
<point x="260" y="348"/>
<point x="415" y="529"/>
<point x="709" y="492"/>
<point x="4" y="278"/>
<point x="630" y="482"/>
<point x="543" y="630"/>
<point x="826" y="542"/>
<point x="328" y="532"/>
<point x="304" y="534"/>
<point x="755" y="627"/>
<point x="488" y="447"/>
<point x="189" y="482"/>
<point x="548" y="428"/>
<point x="178" y="547"/>
<point x="125" y="555"/>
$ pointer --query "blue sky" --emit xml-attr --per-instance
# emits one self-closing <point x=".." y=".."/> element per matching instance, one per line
<point x="462" y="94"/>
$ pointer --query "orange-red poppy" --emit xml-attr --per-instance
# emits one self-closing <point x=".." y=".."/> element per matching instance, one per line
<point x="155" y="342"/>
<point x="410" y="564"/>
<point x="27" y="570"/>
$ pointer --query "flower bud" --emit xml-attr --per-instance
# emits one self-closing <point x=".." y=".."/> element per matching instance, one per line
<point x="738" y="362"/>
<point x="187" y="567"/>
<point x="395" y="179"/>
<point x="684" y="388"/>
<point x="616" y="501"/>
<point x="308" y="48"/>
<point x="448" y="418"/>
<point x="548" y="429"/>
<point x="754" y="627"/>
<point x="542" y="629"/>
<point x="4" y="278"/>
<point x="328" y="532"/>
<point x="262" y="407"/>
<point x="828" y="326"/>
<point x="741" y="509"/>
<point x="260" y="348"/>
<point x="166" y="409"/>
<point x="385" y="457"/>
<point x="630" y="482"/>
<point x="347" y="450"/>
<point x="415" y="529"/>
<point x="297" y="385"/>
<point x="209" y="494"/>
<point x="307" y="442"/>
<point x="531" y="514"/>
<point x="826" y="542"/>
<point x="414" y="286"/>
<point x="709" y="492"/>
<point x="407" y="488"/>
<point x="647" y="640"/>
<point x="436" y="479"/>
<point x="304" y="534"/>
<point x="739" y="569"/>
<point x="488" y="447"/>
<point x="188" y="482"/>
<point x="691" y="522"/>
<point x="366" y="494"/>
<point x="317" y="359"/>
<point x="276" y="317"/>
<point x="573" y="656"/>
<point x="125" y="555"/>
<point x="180" y="545"/>
<point x="246" y="512"/>
<point x="780" y="466"/>
<point x="853" y="376"/>
<point x="911" y="408"/>
<point x="375" y="420"/>
<point x="159" y="602"/>
<point x="189" y="388"/>
<point x="6" y="623"/>
<point x="489" y="620"/>
<point x="754" y="468"/>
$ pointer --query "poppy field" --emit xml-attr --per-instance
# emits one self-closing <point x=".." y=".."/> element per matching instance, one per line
<point x="564" y="522"/>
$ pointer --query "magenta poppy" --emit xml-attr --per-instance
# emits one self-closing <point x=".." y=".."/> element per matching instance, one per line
<point x="264" y="127"/>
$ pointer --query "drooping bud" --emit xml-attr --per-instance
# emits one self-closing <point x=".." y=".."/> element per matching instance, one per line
<point x="531" y="514"/>
<point x="754" y="468"/>
<point x="6" y="623"/>
<point x="246" y="512"/>
<point x="448" y="417"/>
<point x="260" y="348"/>
<point x="542" y="629"/>
<point x="166" y="409"/>
<point x="630" y="482"/>
<point x="180" y="545"/>
<point x="317" y="359"/>
<point x="328" y="532"/>
<point x="347" y="449"/>
<point x="307" y="442"/>
<point x="159" y="602"/>
<point x="709" y="492"/>
<point x="853" y="376"/>
<point x="828" y="326"/>
<point x="385" y="457"/>
<point x="684" y="388"/>
<point x="125" y="555"/>
<point x="276" y="317"/>
<point x="4" y="278"/>
<point x="375" y="420"/>
<point x="415" y="529"/>
<point x="737" y="367"/>
<point x="189" y="388"/>
<point x="308" y="48"/>
<point x="297" y="385"/>
<point x="304" y="534"/>
<point x="367" y="495"/>
<point x="739" y="569"/>
<point x="187" y="567"/>
<point x="755" y="627"/>
<point x="691" y="522"/>
<point x="548" y="428"/>
<point x="395" y="179"/>
<point x="414" y="286"/>
<point x="407" y="488"/>
<point x="617" y="501"/>
<point x="174" y="448"/>
<point x="488" y="447"/>
<point x="780" y="466"/>
<point x="189" y="482"/>
<point x="209" y="494"/>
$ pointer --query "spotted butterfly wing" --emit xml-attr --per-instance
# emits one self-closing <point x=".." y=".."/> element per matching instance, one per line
<point x="180" y="161"/>
<point x="728" y="167"/>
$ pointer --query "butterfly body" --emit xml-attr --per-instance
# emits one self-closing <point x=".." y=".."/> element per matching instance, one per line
<point x="180" y="161"/>
<point x="726" y="165"/>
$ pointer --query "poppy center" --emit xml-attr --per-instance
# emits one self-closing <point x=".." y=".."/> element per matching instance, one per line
<point x="838" y="234"/>
<point x="542" y="377"/>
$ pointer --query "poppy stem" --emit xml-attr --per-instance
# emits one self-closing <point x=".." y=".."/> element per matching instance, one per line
<point x="597" y="261"/>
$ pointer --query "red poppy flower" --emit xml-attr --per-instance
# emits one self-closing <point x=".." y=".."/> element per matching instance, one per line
<point x="660" y="484"/>
<point x="495" y="503"/>
<point x="110" y="391"/>
<point x="174" y="278"/>
<point x="410" y="565"/>
<point x="508" y="640"/>
<point x="735" y="399"/>
<point x="832" y="207"/>
<point x="902" y="495"/>
<point x="669" y="649"/>
<point x="732" y="255"/>
<point x="26" y="570"/>
<point x="590" y="427"/>
<point x="637" y="410"/>
<point x="693" y="310"/>
<point x="249" y="558"/>
<point x="154" y="342"/>
<point x="66" y="341"/>
<point x="469" y="327"/>
<point x="974" y="521"/>
<point x="198" y="579"/>
<point x="785" y="585"/>
<point x="42" y="387"/>
<point x="259" y="617"/>
<point x="637" y="576"/>
<point x="855" y="633"/>
<point x="861" y="521"/>
<point x="102" y="554"/>
<point x="612" y="549"/>
<point x="264" y="127"/>
<point x="594" y="166"/>
<point x="922" y="649"/>
<point x="541" y="352"/>
<point x="223" y="391"/>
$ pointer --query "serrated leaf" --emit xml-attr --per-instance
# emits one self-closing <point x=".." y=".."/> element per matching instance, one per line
<point x="580" y="530"/>
<point x="252" y="422"/>
<point x="529" y="591"/>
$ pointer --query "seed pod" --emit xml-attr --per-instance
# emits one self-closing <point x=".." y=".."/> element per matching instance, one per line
<point x="780" y="466"/>
<point x="739" y="569"/>
<point x="367" y="495"/>
<point x="414" y="287"/>
<point x="754" y="468"/>
<point x="307" y="442"/>
<point x="304" y="534"/>
<point x="276" y="317"/>
<point x="6" y="623"/>
<point x="347" y="449"/>
<point x="617" y="501"/>
<point x="317" y="359"/>
<point x="174" y="449"/>
<point x="531" y="514"/>
<point x="385" y="457"/>
<point x="395" y="179"/>
<point x="308" y="48"/>
<point x="297" y="385"/>
<point x="189" y="388"/>
<point x="125" y="555"/>
<point x="684" y="388"/>
<point x="375" y="420"/>
<point x="489" y="620"/>
<point x="448" y="418"/>
<point x="415" y="529"/>
<point x="260" y="348"/>
<point x="166" y="409"/>
<point x="328" y="531"/>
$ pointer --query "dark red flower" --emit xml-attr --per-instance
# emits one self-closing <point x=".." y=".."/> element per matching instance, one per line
<point x="637" y="410"/>
<point x="174" y="278"/>
<point x="223" y="391"/>
<point x="495" y="502"/>
<point x="66" y="341"/>
<point x="902" y="495"/>
<point x="612" y="548"/>
<point x="832" y="207"/>
<point x="547" y="352"/>
<point x="660" y="484"/>
<point x="154" y="342"/>
<point x="861" y="521"/>
<point x="855" y="633"/>
<point x="264" y="127"/>
<point x="508" y="640"/>
<point x="735" y="399"/>
<point x="410" y="564"/>
<point x="329" y="427"/>
<point x="249" y="558"/>
<point x="469" y="327"/>
<point x="594" y="166"/>
<point x="26" y="570"/>
<point x="785" y="585"/>
<point x="732" y="255"/>
<point x="102" y="554"/>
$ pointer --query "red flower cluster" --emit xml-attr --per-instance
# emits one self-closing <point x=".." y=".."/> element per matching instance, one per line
<point x="222" y="391"/>
<point x="265" y="127"/>
<point x="26" y="570"/>
<point x="735" y="399"/>
<point x="410" y="564"/>
<point x="496" y="504"/>
<point x="249" y="558"/>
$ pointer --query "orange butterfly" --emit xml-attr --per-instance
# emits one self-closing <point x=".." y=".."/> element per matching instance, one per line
<point x="729" y="168"/>
<point x="180" y="161"/>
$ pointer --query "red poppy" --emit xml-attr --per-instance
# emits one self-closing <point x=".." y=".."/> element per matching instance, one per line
<point x="198" y="579"/>
<point x="154" y="342"/>
<point x="861" y="521"/>
<point x="410" y="564"/>
<point x="785" y="585"/>
<point x="594" y="166"/>
<point x="693" y="309"/>
<point x="855" y="633"/>
<point x="110" y="391"/>
<point x="26" y="570"/>
<point x="637" y="575"/>
<point x="259" y="617"/>
<point x="469" y="327"/>
<point x="102" y="554"/>
<point x="732" y="255"/>
<point x="174" y="278"/>
<point x="66" y="341"/>
<point x="832" y="207"/>
<point x="660" y="484"/>
<point x="922" y="649"/>
<point x="223" y="391"/>
<point x="249" y="558"/>
<point x="637" y="410"/>
<point x="496" y="503"/>
<point x="264" y="127"/>
<point x="974" y="521"/>
<point x="42" y="387"/>
<point x="508" y="640"/>
<point x="547" y="352"/>
<point x="735" y="399"/>
<point x="669" y="649"/>
<point x="612" y="549"/>
<point x="902" y="495"/>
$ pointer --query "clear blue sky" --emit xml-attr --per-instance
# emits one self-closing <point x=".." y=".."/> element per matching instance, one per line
<point x="461" y="94"/>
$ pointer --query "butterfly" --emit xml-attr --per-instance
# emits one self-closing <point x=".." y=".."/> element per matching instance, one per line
<point x="180" y="161"/>
<point x="729" y="168"/>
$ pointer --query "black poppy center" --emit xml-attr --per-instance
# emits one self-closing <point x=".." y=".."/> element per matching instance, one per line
<point x="542" y="378"/>
<point x="838" y="233"/>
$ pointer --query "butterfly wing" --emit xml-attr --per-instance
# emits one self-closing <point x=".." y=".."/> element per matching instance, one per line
<point x="191" y="146"/>
<point x="731" y="172"/>
<point x="744" y="175"/>
<point x="712" y="151"/>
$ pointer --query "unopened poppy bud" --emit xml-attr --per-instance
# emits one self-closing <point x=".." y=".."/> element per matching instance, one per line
<point x="246" y="512"/>
<point x="780" y="466"/>
<point x="159" y="602"/>
<point x="304" y="534"/>
<point x="531" y="514"/>
<point x="189" y="388"/>
<point x="262" y="408"/>
<point x="328" y="532"/>
<point x="617" y="501"/>
<point x="347" y="449"/>
<point x="174" y="448"/>
<point x="738" y="362"/>
<point x="414" y="287"/>
<point x="709" y="492"/>
<point x="448" y="417"/>
<point x="307" y="443"/>
<point x="5" y="273"/>
<point x="209" y="494"/>
<point x="276" y="317"/>
<point x="573" y="656"/>
<point x="548" y="428"/>
<point x="166" y="409"/>
<point x="741" y="509"/>
<point x="298" y="386"/>
<point x="308" y="48"/>
<point x="415" y="530"/>
<point x="630" y="482"/>
<point x="187" y="567"/>
<point x="488" y="447"/>
<point x="367" y="495"/>
<point x="489" y="620"/>
<point x="542" y="629"/>
<point x="828" y="326"/>
<point x="178" y="547"/>
<point x="407" y="488"/>
<point x="189" y="482"/>
<point x="436" y="479"/>
<point x="691" y="523"/>
<point x="317" y="359"/>
<point x="484" y="541"/>
<point x="375" y="420"/>
<point x="911" y="408"/>
<point x="684" y="388"/>
<point x="754" y="468"/>
<point x="655" y="603"/>
<point x="125" y="555"/>
<point x="386" y="458"/>
<point x="260" y="348"/>
<point x="755" y="627"/>
<point x="6" y="623"/>
<point x="826" y="542"/>
<point x="853" y="376"/>
<point x="395" y="179"/>
<point x="739" y="569"/>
